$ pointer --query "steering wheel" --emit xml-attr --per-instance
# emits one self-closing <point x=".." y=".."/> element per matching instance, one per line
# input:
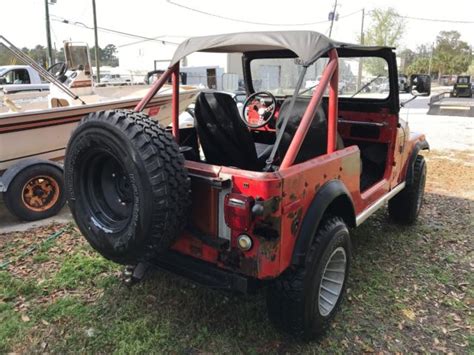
<point x="58" y="69"/>
<point x="257" y="110"/>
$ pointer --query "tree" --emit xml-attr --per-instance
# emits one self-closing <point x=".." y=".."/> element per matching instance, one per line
<point x="421" y="60"/>
<point x="5" y="57"/>
<point x="407" y="57"/>
<point x="107" y="55"/>
<point x="451" y="55"/>
<point x="470" y="70"/>
<point x="386" y="29"/>
<point x="419" y="66"/>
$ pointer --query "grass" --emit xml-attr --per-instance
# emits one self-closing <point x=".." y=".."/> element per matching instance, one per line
<point x="410" y="290"/>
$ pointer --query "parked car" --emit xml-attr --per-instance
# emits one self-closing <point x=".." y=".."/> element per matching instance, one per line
<point x="261" y="207"/>
<point x="463" y="87"/>
<point x="116" y="79"/>
<point x="17" y="78"/>
<point x="403" y="83"/>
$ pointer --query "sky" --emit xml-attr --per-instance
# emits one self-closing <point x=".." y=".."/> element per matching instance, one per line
<point x="23" y="21"/>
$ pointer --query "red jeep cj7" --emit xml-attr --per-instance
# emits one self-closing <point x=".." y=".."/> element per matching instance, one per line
<point x="261" y="197"/>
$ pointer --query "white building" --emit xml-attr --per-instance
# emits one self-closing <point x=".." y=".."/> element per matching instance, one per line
<point x="214" y="70"/>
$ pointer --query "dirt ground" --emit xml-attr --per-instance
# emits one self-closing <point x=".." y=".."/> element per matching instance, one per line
<point x="410" y="290"/>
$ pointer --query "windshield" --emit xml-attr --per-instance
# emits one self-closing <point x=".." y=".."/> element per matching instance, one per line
<point x="3" y="70"/>
<point x="77" y="57"/>
<point x="358" y="77"/>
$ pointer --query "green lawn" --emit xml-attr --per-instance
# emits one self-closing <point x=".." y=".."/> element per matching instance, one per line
<point x="410" y="290"/>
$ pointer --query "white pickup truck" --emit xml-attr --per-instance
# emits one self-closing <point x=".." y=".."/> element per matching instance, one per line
<point x="17" y="78"/>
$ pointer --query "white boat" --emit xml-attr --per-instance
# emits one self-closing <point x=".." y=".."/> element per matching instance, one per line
<point x="38" y="124"/>
<point x="36" y="131"/>
<point x="35" y="126"/>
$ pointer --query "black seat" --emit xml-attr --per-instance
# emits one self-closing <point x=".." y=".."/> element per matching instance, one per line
<point x="315" y="142"/>
<point x="224" y="137"/>
<point x="226" y="140"/>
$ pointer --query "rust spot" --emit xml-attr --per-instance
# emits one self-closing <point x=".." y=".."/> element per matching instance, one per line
<point x="294" y="226"/>
<point x="268" y="229"/>
<point x="269" y="249"/>
<point x="296" y="222"/>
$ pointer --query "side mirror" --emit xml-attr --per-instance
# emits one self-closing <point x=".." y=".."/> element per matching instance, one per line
<point x="420" y="84"/>
<point x="3" y="81"/>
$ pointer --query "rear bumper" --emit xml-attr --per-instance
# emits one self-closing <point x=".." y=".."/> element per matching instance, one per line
<point x="205" y="274"/>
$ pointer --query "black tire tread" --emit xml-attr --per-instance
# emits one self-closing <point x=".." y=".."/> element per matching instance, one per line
<point x="12" y="195"/>
<point x="402" y="208"/>
<point x="164" y="165"/>
<point x="286" y="295"/>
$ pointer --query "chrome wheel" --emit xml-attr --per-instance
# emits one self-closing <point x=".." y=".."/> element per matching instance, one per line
<point x="332" y="281"/>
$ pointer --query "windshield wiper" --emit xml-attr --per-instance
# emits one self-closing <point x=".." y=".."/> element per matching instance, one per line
<point x="364" y="86"/>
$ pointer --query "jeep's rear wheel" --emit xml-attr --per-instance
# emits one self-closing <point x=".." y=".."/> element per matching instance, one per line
<point x="405" y="207"/>
<point x="303" y="301"/>
<point x="127" y="186"/>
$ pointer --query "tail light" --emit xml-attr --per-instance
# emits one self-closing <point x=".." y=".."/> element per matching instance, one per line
<point x="238" y="211"/>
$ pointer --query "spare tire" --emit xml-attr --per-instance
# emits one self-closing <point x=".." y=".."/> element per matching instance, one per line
<point x="126" y="185"/>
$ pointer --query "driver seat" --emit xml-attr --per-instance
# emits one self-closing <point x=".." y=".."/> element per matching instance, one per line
<point x="224" y="137"/>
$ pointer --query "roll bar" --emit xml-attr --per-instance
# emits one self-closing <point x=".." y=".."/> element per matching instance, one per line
<point x="329" y="77"/>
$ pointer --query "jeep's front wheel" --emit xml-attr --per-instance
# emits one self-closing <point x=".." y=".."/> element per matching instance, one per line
<point x="127" y="186"/>
<point x="303" y="301"/>
<point x="405" y="207"/>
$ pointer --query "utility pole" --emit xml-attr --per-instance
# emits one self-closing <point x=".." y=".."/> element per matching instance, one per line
<point x="359" y="76"/>
<point x="48" y="33"/>
<point x="97" y="59"/>
<point x="431" y="59"/>
<point x="332" y="17"/>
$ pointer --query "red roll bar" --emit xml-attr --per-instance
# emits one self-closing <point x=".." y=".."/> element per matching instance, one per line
<point x="154" y="89"/>
<point x="175" y="102"/>
<point x="174" y="73"/>
<point x="329" y="76"/>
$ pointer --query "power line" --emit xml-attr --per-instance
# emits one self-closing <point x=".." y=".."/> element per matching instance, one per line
<point x="241" y="20"/>
<point x="122" y="33"/>
<point x="435" y="19"/>
<point x="429" y="19"/>
<point x="350" y="14"/>
<point x="157" y="38"/>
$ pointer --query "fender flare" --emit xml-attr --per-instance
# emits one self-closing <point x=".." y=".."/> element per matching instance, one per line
<point x="330" y="192"/>
<point x="420" y="145"/>
<point x="14" y="170"/>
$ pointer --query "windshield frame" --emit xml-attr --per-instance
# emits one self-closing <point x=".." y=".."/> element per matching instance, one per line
<point x="390" y="102"/>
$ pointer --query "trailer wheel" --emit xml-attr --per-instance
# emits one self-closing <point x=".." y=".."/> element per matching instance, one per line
<point x="405" y="207"/>
<point x="127" y="186"/>
<point x="303" y="301"/>
<point x="37" y="192"/>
